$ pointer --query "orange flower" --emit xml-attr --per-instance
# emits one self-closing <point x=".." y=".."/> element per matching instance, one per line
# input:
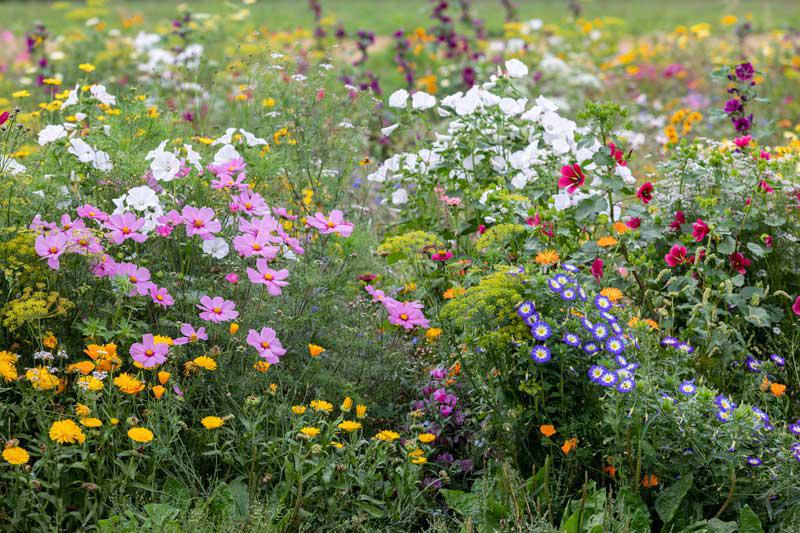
<point x="548" y="430"/>
<point x="50" y="341"/>
<point x="455" y="369"/>
<point x="163" y="377"/>
<point x="607" y="241"/>
<point x="158" y="391"/>
<point x="314" y="350"/>
<point x="453" y="292"/>
<point x="547" y="257"/>
<point x="234" y="328"/>
<point x="569" y="445"/>
<point x="620" y="227"/>
<point x="84" y="367"/>
<point x="650" y="481"/>
<point x="777" y="389"/>
<point x="611" y="470"/>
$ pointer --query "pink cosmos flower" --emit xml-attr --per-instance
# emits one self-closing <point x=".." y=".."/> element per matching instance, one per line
<point x="335" y="223"/>
<point x="699" y="230"/>
<point x="190" y="335"/>
<point x="248" y="245"/>
<point x="68" y="225"/>
<point x="123" y="227"/>
<point x="406" y="314"/>
<point x="442" y="255"/>
<point x="597" y="269"/>
<point x="139" y="276"/>
<point x="85" y="243"/>
<point x="105" y="266"/>
<point x="291" y="242"/>
<point x="232" y="278"/>
<point x="228" y="168"/>
<point x="51" y="247"/>
<point x="217" y="309"/>
<point x="572" y="178"/>
<point x="226" y="182"/>
<point x="91" y="212"/>
<point x="265" y="225"/>
<point x="166" y="223"/>
<point x="645" y="193"/>
<point x="267" y="344"/>
<point x="739" y="262"/>
<point x="161" y="297"/>
<point x="283" y="213"/>
<point x="273" y="279"/>
<point x="250" y="202"/>
<point x="200" y="221"/>
<point x="379" y="296"/>
<point x="148" y="353"/>
<point x="676" y="256"/>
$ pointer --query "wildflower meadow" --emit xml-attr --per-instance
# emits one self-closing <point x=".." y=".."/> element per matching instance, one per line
<point x="433" y="265"/>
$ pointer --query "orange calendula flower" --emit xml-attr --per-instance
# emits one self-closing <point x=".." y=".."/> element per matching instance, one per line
<point x="234" y="327"/>
<point x="547" y="257"/>
<point x="612" y="293"/>
<point x="50" y="341"/>
<point x="82" y="367"/>
<point x="453" y="292"/>
<point x="569" y="445"/>
<point x="620" y="228"/>
<point x="163" y="377"/>
<point x="158" y="391"/>
<point x="611" y="470"/>
<point x="548" y="430"/>
<point x="649" y="481"/>
<point x="314" y="350"/>
<point x="777" y="389"/>
<point x="606" y="242"/>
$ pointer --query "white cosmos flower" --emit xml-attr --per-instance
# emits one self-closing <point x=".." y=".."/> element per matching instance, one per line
<point x="51" y="133"/>
<point x="99" y="92"/>
<point x="102" y="161"/>
<point x="12" y="167"/>
<point x="193" y="157"/>
<point x="216" y="247"/>
<point x="225" y="139"/>
<point x="225" y="154"/>
<point x="389" y="129"/>
<point x="399" y="197"/>
<point x="72" y="98"/>
<point x="398" y="99"/>
<point x="422" y="100"/>
<point x="165" y="166"/>
<point x="516" y="68"/>
<point x="141" y="198"/>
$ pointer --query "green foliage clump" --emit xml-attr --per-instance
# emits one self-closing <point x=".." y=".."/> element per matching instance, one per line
<point x="408" y="243"/>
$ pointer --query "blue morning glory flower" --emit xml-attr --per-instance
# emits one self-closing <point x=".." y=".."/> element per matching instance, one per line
<point x="587" y="324"/>
<point x="687" y="388"/>
<point x="570" y="268"/>
<point x="685" y="347"/>
<point x="555" y="286"/>
<point x="608" y="379"/>
<point x="603" y="303"/>
<point x="540" y="354"/>
<point x="562" y="279"/>
<point x="626" y="385"/>
<point x="777" y="359"/>
<point x="615" y="345"/>
<point x="532" y="319"/>
<point x="600" y="331"/>
<point x="526" y="309"/>
<point x="752" y="364"/>
<point x="596" y="372"/>
<point x="568" y="294"/>
<point x="571" y="339"/>
<point x="669" y="341"/>
<point x="723" y="415"/>
<point x="591" y="348"/>
<point x="615" y="327"/>
<point x="541" y="330"/>
<point x="724" y="403"/>
<point x="607" y="316"/>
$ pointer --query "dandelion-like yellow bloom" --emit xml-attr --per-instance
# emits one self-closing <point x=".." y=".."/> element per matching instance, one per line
<point x="140" y="434"/>
<point x="547" y="257"/>
<point x="8" y="370"/>
<point x="86" y="67"/>
<point x="66" y="432"/>
<point x="82" y="410"/>
<point x="426" y="438"/>
<point x="205" y="362"/>
<point x="310" y="432"/>
<point x="349" y="426"/>
<point x="361" y="411"/>
<point x="128" y="384"/>
<point x="607" y="241"/>
<point x="321" y="405"/>
<point x="387" y="435"/>
<point x="432" y="334"/>
<point x="16" y="455"/>
<point x="347" y="404"/>
<point x="41" y="378"/>
<point x="91" y="422"/>
<point x="612" y="293"/>
<point x="419" y="460"/>
<point x="298" y="409"/>
<point x="212" y="422"/>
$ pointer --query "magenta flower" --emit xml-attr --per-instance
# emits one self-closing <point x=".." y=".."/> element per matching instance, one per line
<point x="678" y="220"/>
<point x="442" y="255"/>
<point x="190" y="335"/>
<point x="645" y="193"/>
<point x="228" y="168"/>
<point x="51" y="247"/>
<point x="217" y="309"/>
<point x="796" y="306"/>
<point x="378" y="295"/>
<point x="406" y="314"/>
<point x="232" y="278"/>
<point x="123" y="227"/>
<point x="699" y="230"/>
<point x="250" y="202"/>
<point x="161" y="297"/>
<point x="264" y="275"/>
<point x="266" y="343"/>
<point x="248" y="245"/>
<point x="148" y="353"/>
<point x="597" y="269"/>
<point x="85" y="243"/>
<point x="265" y="225"/>
<point x="335" y="223"/>
<point x="743" y="141"/>
<point x="226" y="182"/>
<point x="283" y="213"/>
<point x="739" y="262"/>
<point x="200" y="221"/>
<point x="676" y="256"/>
<point x="572" y="178"/>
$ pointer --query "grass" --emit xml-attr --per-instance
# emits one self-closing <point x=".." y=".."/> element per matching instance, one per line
<point x="385" y="16"/>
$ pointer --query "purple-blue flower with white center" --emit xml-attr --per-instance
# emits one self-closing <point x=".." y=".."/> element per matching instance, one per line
<point x="571" y="339"/>
<point x="754" y="461"/>
<point x="596" y="372"/>
<point x="724" y="403"/>
<point x="687" y="388"/>
<point x="600" y="331"/>
<point x="540" y="354"/>
<point x="570" y="268"/>
<point x="621" y="361"/>
<point x="603" y="303"/>
<point x="669" y="341"/>
<point x="569" y="294"/>
<point x="526" y="309"/>
<point x="582" y="294"/>
<point x="591" y="348"/>
<point x="608" y="379"/>
<point x="587" y="324"/>
<point x="752" y="364"/>
<point x="615" y="327"/>
<point x="614" y="345"/>
<point x="777" y="359"/>
<point x="723" y="415"/>
<point x="562" y="279"/>
<point x="626" y="385"/>
<point x="555" y="286"/>
<point x="541" y="330"/>
<point x="685" y="347"/>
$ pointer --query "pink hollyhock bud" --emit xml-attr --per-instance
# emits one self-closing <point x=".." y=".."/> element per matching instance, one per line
<point x="597" y="269"/>
<point x="481" y="229"/>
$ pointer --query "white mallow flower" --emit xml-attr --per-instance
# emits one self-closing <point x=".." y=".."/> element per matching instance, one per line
<point x="82" y="150"/>
<point x="141" y="198"/>
<point x="625" y="174"/>
<point x="72" y="99"/>
<point x="422" y="100"/>
<point x="165" y="166"/>
<point x="516" y="68"/>
<point x="51" y="133"/>
<point x="102" y="161"/>
<point x="400" y="197"/>
<point x="519" y="181"/>
<point x="225" y="154"/>
<point x="389" y="129"/>
<point x="193" y="157"/>
<point x="398" y="99"/>
<point x="251" y="139"/>
<point x="12" y="167"/>
<point x="99" y="93"/>
<point x="225" y="139"/>
<point x="217" y="247"/>
<point x="469" y="103"/>
<point x="512" y="107"/>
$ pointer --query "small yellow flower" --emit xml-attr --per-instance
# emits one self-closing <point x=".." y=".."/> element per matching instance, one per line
<point x="140" y="434"/>
<point x="314" y="350"/>
<point x="337" y="445"/>
<point x="728" y="20"/>
<point x="361" y="411"/>
<point x="16" y="455"/>
<point x="205" y="362"/>
<point x="158" y="391"/>
<point x="261" y="366"/>
<point x="349" y="426"/>
<point x="66" y="432"/>
<point x="212" y="422"/>
<point x="321" y="405"/>
<point x="81" y="410"/>
<point x="547" y="257"/>
<point x="419" y="460"/>
<point x="426" y="438"/>
<point x="298" y="409"/>
<point x="347" y="404"/>
<point x="432" y="334"/>
<point x="128" y="384"/>
<point x="114" y="421"/>
<point x="268" y="102"/>
<point x="387" y="435"/>
<point x="20" y="94"/>
<point x="309" y="432"/>
<point x="86" y="67"/>
<point x="91" y="422"/>
<point x="234" y="327"/>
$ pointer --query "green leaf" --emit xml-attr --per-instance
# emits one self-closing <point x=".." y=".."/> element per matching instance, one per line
<point x="670" y="500"/>
<point x="728" y="246"/>
<point x="756" y="249"/>
<point x="715" y="525"/>
<point x="241" y="496"/>
<point x="749" y="521"/>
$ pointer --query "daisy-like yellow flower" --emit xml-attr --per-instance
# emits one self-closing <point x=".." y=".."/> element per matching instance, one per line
<point x="547" y="257"/>
<point x="337" y="445"/>
<point x="81" y="367"/>
<point x="453" y="292"/>
<point x="347" y="404"/>
<point x="163" y="339"/>
<point x="8" y="371"/>
<point x="298" y="409"/>
<point x="361" y="411"/>
<point x="128" y="384"/>
<point x="612" y="293"/>
<point x="321" y="405"/>
<point x="349" y="426"/>
<point x="314" y="350"/>
<point x="15" y="455"/>
<point x="432" y="334"/>
<point x="140" y="435"/>
<point x="86" y="67"/>
<point x="309" y="432"/>
<point x="41" y="378"/>
<point x="50" y="341"/>
<point x="66" y="432"/>
<point x="205" y="362"/>
<point x="261" y="366"/>
<point x="81" y="410"/>
<point x="91" y="422"/>
<point x="426" y="438"/>
<point x="607" y="241"/>
<point x="114" y="421"/>
<point x="419" y="460"/>
<point x="212" y="422"/>
<point x="20" y="94"/>
<point x="387" y="435"/>
<point x="268" y="102"/>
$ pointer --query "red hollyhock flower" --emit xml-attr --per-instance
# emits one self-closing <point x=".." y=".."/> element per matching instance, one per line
<point x="617" y="154"/>
<point x="700" y="230"/>
<point x="597" y="269"/>
<point x="739" y="262"/>
<point x="676" y="256"/>
<point x="678" y="220"/>
<point x="571" y="177"/>
<point x="645" y="193"/>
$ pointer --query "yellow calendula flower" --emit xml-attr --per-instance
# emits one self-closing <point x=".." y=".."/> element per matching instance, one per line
<point x="268" y="102"/>
<point x="349" y="426"/>
<point x="66" y="432"/>
<point x="347" y="404"/>
<point x="547" y="257"/>
<point x="729" y="20"/>
<point x="426" y="438"/>
<point x="140" y="435"/>
<point x="20" y="94"/>
<point x="432" y="334"/>
<point x="261" y="366"/>
<point x="419" y="460"/>
<point x="81" y="410"/>
<point x="314" y="350"/>
<point x="298" y="409"/>
<point x="387" y="435"/>
<point x="15" y="455"/>
<point x="337" y="445"/>
<point x="91" y="422"/>
<point x="41" y="378"/>
<point x="205" y="362"/>
<point x="309" y="432"/>
<point x="90" y="383"/>
<point x="361" y="411"/>
<point x="321" y="405"/>
<point x="87" y="67"/>
<point x="612" y="293"/>
<point x="212" y="422"/>
<point x="128" y="384"/>
<point x="607" y="241"/>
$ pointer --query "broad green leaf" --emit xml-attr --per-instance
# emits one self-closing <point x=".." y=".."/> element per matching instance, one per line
<point x="670" y="500"/>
